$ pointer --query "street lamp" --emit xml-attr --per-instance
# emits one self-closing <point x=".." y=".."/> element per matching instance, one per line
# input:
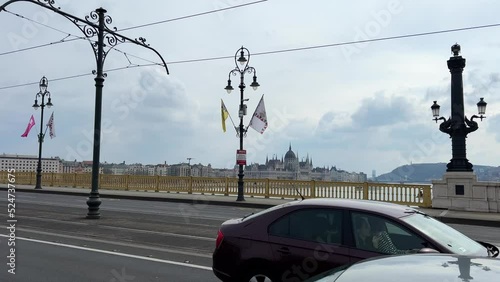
<point x="95" y="25"/>
<point x="242" y="68"/>
<point x="458" y="125"/>
<point x="44" y="83"/>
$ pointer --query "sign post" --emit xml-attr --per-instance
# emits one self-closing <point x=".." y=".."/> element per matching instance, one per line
<point x="241" y="157"/>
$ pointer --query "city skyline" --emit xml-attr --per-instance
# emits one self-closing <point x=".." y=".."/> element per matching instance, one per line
<point x="359" y="107"/>
<point x="191" y="160"/>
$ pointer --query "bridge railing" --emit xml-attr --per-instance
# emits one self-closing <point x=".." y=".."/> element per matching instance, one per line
<point x="407" y="194"/>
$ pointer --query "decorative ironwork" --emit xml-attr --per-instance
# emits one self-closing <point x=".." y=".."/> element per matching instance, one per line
<point x="94" y="24"/>
<point x="90" y="28"/>
<point x="50" y="3"/>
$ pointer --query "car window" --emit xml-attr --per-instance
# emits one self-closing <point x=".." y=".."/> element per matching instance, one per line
<point x="317" y="225"/>
<point x="383" y="235"/>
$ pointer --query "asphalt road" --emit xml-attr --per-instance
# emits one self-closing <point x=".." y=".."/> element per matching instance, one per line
<point x="133" y="240"/>
<point x="180" y="237"/>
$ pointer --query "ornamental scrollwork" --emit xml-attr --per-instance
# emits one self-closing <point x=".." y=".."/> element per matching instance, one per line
<point x="50" y="3"/>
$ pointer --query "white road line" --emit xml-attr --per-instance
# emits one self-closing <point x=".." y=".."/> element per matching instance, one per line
<point x="114" y="253"/>
<point x="139" y="210"/>
<point x="181" y="251"/>
<point x="209" y="239"/>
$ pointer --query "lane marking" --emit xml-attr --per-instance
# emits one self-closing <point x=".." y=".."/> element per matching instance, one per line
<point x="201" y="238"/>
<point x="139" y="210"/>
<point x="114" y="253"/>
<point x="128" y="244"/>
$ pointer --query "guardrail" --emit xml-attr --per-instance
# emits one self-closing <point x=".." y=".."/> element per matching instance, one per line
<point x="407" y="194"/>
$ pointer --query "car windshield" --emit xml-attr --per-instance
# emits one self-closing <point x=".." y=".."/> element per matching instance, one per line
<point x="455" y="241"/>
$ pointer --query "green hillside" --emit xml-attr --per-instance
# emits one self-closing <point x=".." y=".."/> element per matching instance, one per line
<point x="426" y="172"/>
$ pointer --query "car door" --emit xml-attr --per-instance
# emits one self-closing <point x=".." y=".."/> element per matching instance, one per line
<point x="375" y="235"/>
<point x="306" y="242"/>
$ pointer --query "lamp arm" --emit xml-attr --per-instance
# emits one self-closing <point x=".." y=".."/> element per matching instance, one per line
<point x="479" y="117"/>
<point x="472" y="125"/>
<point x="441" y="118"/>
<point x="446" y="125"/>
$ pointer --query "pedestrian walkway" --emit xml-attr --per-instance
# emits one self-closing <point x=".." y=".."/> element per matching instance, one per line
<point x="448" y="216"/>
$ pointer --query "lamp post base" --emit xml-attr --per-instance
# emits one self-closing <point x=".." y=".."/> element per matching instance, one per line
<point x="241" y="185"/>
<point x="93" y="202"/>
<point x="458" y="165"/>
<point x="38" y="184"/>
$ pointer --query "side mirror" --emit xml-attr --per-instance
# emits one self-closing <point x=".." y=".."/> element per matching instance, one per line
<point x="491" y="248"/>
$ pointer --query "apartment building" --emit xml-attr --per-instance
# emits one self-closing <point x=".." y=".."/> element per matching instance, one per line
<point x="29" y="163"/>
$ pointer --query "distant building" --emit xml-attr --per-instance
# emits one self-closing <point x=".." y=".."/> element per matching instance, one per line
<point x="182" y="169"/>
<point x="290" y="167"/>
<point x="29" y="163"/>
<point x="72" y="167"/>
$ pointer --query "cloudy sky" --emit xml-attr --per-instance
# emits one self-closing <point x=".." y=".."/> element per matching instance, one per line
<point x="360" y="107"/>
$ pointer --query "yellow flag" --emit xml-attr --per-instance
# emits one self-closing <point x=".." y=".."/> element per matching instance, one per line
<point x="224" y="114"/>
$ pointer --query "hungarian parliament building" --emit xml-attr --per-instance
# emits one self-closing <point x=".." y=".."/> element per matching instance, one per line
<point x="290" y="167"/>
<point x="287" y="167"/>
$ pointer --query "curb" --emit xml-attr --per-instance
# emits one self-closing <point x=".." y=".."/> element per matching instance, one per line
<point x="151" y="198"/>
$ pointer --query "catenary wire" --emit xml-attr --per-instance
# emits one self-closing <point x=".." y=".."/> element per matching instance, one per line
<point x="193" y="15"/>
<point x="77" y="76"/>
<point x="75" y="37"/>
<point x="342" y="43"/>
<point x="298" y="49"/>
<point x="128" y="28"/>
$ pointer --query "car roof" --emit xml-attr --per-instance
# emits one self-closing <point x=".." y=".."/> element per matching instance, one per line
<point x="390" y="209"/>
<point x="420" y="267"/>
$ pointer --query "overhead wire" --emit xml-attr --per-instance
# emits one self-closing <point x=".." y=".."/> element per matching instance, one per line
<point x="292" y="49"/>
<point x="341" y="43"/>
<point x="123" y="29"/>
<point x="75" y="37"/>
<point x="193" y="15"/>
<point x="228" y="57"/>
<point x="76" y="76"/>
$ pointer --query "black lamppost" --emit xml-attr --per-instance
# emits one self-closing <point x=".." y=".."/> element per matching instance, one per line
<point x="458" y="125"/>
<point x="44" y="83"/>
<point x="241" y="69"/>
<point x="94" y="24"/>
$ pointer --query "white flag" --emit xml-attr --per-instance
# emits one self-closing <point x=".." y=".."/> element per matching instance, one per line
<point x="50" y="124"/>
<point x="259" y="118"/>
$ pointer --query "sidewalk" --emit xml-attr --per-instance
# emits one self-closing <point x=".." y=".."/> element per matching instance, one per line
<point x="447" y="216"/>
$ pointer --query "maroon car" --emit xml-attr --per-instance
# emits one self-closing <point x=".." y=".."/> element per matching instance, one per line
<point x="294" y="241"/>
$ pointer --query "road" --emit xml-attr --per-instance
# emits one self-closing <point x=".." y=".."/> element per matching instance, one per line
<point x="133" y="241"/>
<point x="171" y="233"/>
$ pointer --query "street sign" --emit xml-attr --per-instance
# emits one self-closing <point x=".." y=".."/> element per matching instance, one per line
<point x="241" y="157"/>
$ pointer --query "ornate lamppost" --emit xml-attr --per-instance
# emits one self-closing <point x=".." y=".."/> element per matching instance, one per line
<point x="241" y="68"/>
<point x="44" y="83"/>
<point x="458" y="125"/>
<point x="94" y="24"/>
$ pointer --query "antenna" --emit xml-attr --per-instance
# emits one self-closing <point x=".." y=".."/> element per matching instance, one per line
<point x="298" y="192"/>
